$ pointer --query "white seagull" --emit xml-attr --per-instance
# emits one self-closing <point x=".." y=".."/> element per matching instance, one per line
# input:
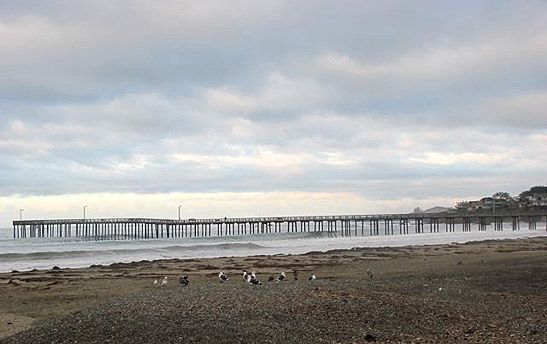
<point x="164" y="281"/>
<point x="245" y="276"/>
<point x="156" y="282"/>
<point x="311" y="278"/>
<point x="253" y="280"/>
<point x="281" y="277"/>
<point x="223" y="277"/>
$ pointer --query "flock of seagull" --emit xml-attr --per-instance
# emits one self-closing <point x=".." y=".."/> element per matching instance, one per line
<point x="249" y="278"/>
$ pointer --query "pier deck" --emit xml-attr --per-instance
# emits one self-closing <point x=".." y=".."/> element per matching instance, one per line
<point x="384" y="224"/>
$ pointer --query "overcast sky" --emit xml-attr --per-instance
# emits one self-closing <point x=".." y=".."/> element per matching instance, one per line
<point x="241" y="108"/>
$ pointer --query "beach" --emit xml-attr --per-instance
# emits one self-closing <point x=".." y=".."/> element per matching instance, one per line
<point x="478" y="292"/>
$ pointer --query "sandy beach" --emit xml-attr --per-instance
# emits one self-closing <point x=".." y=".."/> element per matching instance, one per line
<point x="479" y="292"/>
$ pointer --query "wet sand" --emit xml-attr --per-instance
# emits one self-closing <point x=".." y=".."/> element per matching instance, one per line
<point x="481" y="292"/>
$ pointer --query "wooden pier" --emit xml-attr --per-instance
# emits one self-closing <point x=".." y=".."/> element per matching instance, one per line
<point x="345" y="225"/>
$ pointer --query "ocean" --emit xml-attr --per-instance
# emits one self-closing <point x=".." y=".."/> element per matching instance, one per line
<point x="36" y="253"/>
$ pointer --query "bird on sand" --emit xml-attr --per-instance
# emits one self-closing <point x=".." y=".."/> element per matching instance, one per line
<point x="183" y="280"/>
<point x="223" y="277"/>
<point x="281" y="277"/>
<point x="295" y="275"/>
<point x="369" y="273"/>
<point x="271" y="278"/>
<point x="246" y="275"/>
<point x="311" y="278"/>
<point x="156" y="282"/>
<point x="253" y="280"/>
<point x="164" y="281"/>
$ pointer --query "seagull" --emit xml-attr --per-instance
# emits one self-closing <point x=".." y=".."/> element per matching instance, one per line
<point x="183" y="280"/>
<point x="369" y="273"/>
<point x="156" y="282"/>
<point x="164" y="281"/>
<point x="223" y="278"/>
<point x="272" y="277"/>
<point x="311" y="278"/>
<point x="253" y="280"/>
<point x="295" y="273"/>
<point x="245" y="275"/>
<point x="281" y="277"/>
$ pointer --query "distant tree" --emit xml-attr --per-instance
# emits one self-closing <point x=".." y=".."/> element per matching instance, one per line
<point x="502" y="195"/>
<point x="533" y="190"/>
<point x="417" y="210"/>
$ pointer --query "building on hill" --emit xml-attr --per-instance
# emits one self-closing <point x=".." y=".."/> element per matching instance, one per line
<point x="536" y="199"/>
<point x="470" y="206"/>
<point x="487" y="203"/>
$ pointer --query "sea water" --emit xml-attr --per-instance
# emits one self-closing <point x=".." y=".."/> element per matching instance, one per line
<point x="44" y="253"/>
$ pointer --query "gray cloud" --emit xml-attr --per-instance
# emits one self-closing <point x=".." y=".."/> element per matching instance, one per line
<point x="385" y="99"/>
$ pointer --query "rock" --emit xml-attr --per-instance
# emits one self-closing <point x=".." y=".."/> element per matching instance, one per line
<point x="14" y="271"/>
<point x="14" y="282"/>
<point x="369" y="338"/>
<point x="55" y="268"/>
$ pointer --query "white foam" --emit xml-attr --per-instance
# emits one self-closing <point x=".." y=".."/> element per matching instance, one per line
<point x="26" y="254"/>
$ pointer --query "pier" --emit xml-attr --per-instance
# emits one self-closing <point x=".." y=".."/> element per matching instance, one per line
<point x="344" y="225"/>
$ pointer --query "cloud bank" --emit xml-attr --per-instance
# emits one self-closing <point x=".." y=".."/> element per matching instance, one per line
<point x="386" y="101"/>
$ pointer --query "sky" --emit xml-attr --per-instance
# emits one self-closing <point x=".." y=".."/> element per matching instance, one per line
<point x="251" y="108"/>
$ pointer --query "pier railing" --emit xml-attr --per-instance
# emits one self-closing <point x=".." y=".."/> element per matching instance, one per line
<point x="379" y="224"/>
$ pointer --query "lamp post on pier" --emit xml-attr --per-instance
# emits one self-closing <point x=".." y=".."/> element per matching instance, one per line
<point x="85" y="207"/>
<point x="21" y="214"/>
<point x="180" y="207"/>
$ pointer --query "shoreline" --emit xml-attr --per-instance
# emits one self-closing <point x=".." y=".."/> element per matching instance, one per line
<point x="38" y="298"/>
<point x="84" y="254"/>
